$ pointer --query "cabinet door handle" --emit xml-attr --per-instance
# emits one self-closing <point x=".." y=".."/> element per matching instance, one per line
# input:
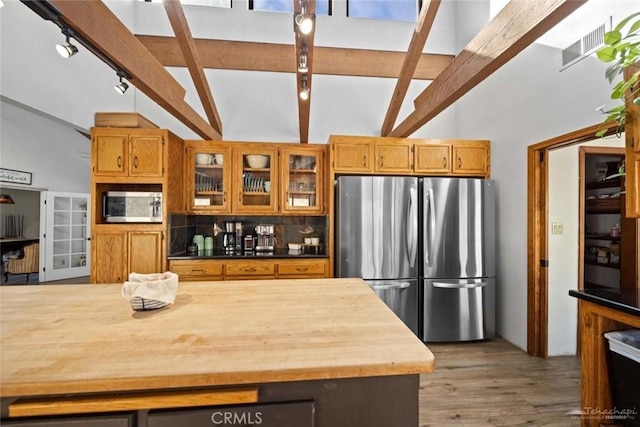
<point x="200" y="270"/>
<point x="239" y="196"/>
<point x="250" y="269"/>
<point x="364" y="160"/>
<point x="459" y="162"/>
<point x="381" y="161"/>
<point x="224" y="197"/>
<point x="119" y="161"/>
<point x="301" y="269"/>
<point x="444" y="162"/>
<point x="135" y="162"/>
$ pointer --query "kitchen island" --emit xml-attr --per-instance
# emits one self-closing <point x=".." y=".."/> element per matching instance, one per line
<point x="322" y="352"/>
<point x="601" y="311"/>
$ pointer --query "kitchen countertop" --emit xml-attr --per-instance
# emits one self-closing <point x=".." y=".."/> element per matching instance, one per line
<point x="627" y="300"/>
<point x="221" y="254"/>
<point x="85" y="338"/>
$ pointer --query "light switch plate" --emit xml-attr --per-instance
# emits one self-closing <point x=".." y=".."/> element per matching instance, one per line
<point x="557" y="228"/>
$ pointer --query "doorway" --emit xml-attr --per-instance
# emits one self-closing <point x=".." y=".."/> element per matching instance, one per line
<point x="537" y="233"/>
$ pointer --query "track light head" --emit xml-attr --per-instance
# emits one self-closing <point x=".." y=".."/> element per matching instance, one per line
<point x="304" y="90"/>
<point x="121" y="87"/>
<point x="66" y="50"/>
<point x="304" y="23"/>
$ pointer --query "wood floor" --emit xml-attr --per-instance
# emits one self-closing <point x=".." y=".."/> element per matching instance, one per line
<point x="494" y="383"/>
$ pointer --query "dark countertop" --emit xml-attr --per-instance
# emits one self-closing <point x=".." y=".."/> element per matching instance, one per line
<point x="221" y="254"/>
<point x="625" y="300"/>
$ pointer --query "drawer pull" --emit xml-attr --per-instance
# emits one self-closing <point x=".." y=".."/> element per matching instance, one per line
<point x="301" y="269"/>
<point x="250" y="269"/>
<point x="459" y="162"/>
<point x="199" y="270"/>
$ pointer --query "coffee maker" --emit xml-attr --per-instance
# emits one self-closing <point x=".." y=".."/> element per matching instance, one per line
<point x="265" y="238"/>
<point x="229" y="237"/>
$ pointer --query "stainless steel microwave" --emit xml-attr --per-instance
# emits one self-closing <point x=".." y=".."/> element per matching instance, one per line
<point x="132" y="206"/>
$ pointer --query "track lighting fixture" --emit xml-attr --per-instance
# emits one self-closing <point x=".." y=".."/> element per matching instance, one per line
<point x="66" y="50"/>
<point x="121" y="87"/>
<point x="304" y="90"/>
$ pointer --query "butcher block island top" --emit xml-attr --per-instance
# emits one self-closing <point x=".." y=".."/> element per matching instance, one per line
<point x="77" y="339"/>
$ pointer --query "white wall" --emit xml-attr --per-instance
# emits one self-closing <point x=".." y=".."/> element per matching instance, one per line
<point x="563" y="248"/>
<point x="527" y="101"/>
<point x="54" y="153"/>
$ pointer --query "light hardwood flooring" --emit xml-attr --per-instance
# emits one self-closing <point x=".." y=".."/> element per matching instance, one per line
<point x="493" y="383"/>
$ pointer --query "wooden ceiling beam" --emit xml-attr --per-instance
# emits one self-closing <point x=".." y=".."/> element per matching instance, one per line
<point x="95" y="23"/>
<point x="253" y="56"/>
<point x="304" y="78"/>
<point x="414" y="52"/>
<point x="516" y="26"/>
<point x="190" y="53"/>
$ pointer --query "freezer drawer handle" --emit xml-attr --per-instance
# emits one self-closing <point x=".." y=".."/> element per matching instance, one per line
<point x="459" y="285"/>
<point x="402" y="285"/>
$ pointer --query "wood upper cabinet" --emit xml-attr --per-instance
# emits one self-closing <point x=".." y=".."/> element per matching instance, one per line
<point x="393" y="155"/>
<point x="432" y="158"/>
<point x="208" y="172"/>
<point x="470" y="157"/>
<point x="118" y="250"/>
<point x="352" y="154"/>
<point x="252" y="174"/>
<point x="632" y="154"/>
<point x="302" y="189"/>
<point x="122" y="153"/>
<point x="437" y="157"/>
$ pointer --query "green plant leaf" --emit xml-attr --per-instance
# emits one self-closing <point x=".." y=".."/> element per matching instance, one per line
<point x="635" y="27"/>
<point x="601" y="133"/>
<point x="612" y="37"/>
<point x="613" y="71"/>
<point x="606" y="54"/>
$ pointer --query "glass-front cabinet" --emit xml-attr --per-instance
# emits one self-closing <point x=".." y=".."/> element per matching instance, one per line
<point x="255" y="179"/>
<point x="209" y="187"/>
<point x="302" y="180"/>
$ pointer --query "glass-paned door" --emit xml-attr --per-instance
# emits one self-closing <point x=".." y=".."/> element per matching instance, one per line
<point x="256" y="180"/>
<point x="67" y="236"/>
<point x="303" y="192"/>
<point x="211" y="179"/>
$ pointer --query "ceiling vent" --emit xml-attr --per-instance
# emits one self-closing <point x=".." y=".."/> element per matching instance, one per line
<point x="584" y="47"/>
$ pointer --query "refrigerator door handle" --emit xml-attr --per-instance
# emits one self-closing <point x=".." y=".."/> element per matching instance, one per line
<point x="400" y="285"/>
<point x="459" y="285"/>
<point x="412" y="227"/>
<point x="431" y="215"/>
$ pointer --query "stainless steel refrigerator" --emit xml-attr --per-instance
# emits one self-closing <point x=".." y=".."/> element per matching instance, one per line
<point x="458" y="259"/>
<point x="426" y="246"/>
<point x="377" y="239"/>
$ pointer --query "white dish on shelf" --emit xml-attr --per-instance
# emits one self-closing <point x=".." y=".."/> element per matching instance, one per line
<point x="203" y="159"/>
<point x="295" y="246"/>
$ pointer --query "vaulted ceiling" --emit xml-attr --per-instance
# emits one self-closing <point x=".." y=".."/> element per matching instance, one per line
<point x="144" y="58"/>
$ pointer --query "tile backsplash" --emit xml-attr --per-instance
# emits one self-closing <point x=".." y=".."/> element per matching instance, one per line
<point x="183" y="227"/>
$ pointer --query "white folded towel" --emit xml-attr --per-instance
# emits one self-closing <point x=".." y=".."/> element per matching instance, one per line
<point x="155" y="286"/>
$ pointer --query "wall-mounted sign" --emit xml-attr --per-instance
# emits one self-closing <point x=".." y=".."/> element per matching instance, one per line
<point x="15" y="177"/>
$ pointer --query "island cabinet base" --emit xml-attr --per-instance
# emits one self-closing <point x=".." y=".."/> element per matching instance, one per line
<point x="384" y="401"/>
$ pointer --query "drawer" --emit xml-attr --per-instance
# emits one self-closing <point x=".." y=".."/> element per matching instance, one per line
<point x="302" y="268"/>
<point x="250" y="269"/>
<point x="125" y="420"/>
<point x="196" y="269"/>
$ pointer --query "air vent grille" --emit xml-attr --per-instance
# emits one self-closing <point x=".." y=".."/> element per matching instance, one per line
<point x="584" y="47"/>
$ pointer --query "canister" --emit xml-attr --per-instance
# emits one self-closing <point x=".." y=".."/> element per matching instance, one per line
<point x="198" y="239"/>
<point x="208" y="243"/>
